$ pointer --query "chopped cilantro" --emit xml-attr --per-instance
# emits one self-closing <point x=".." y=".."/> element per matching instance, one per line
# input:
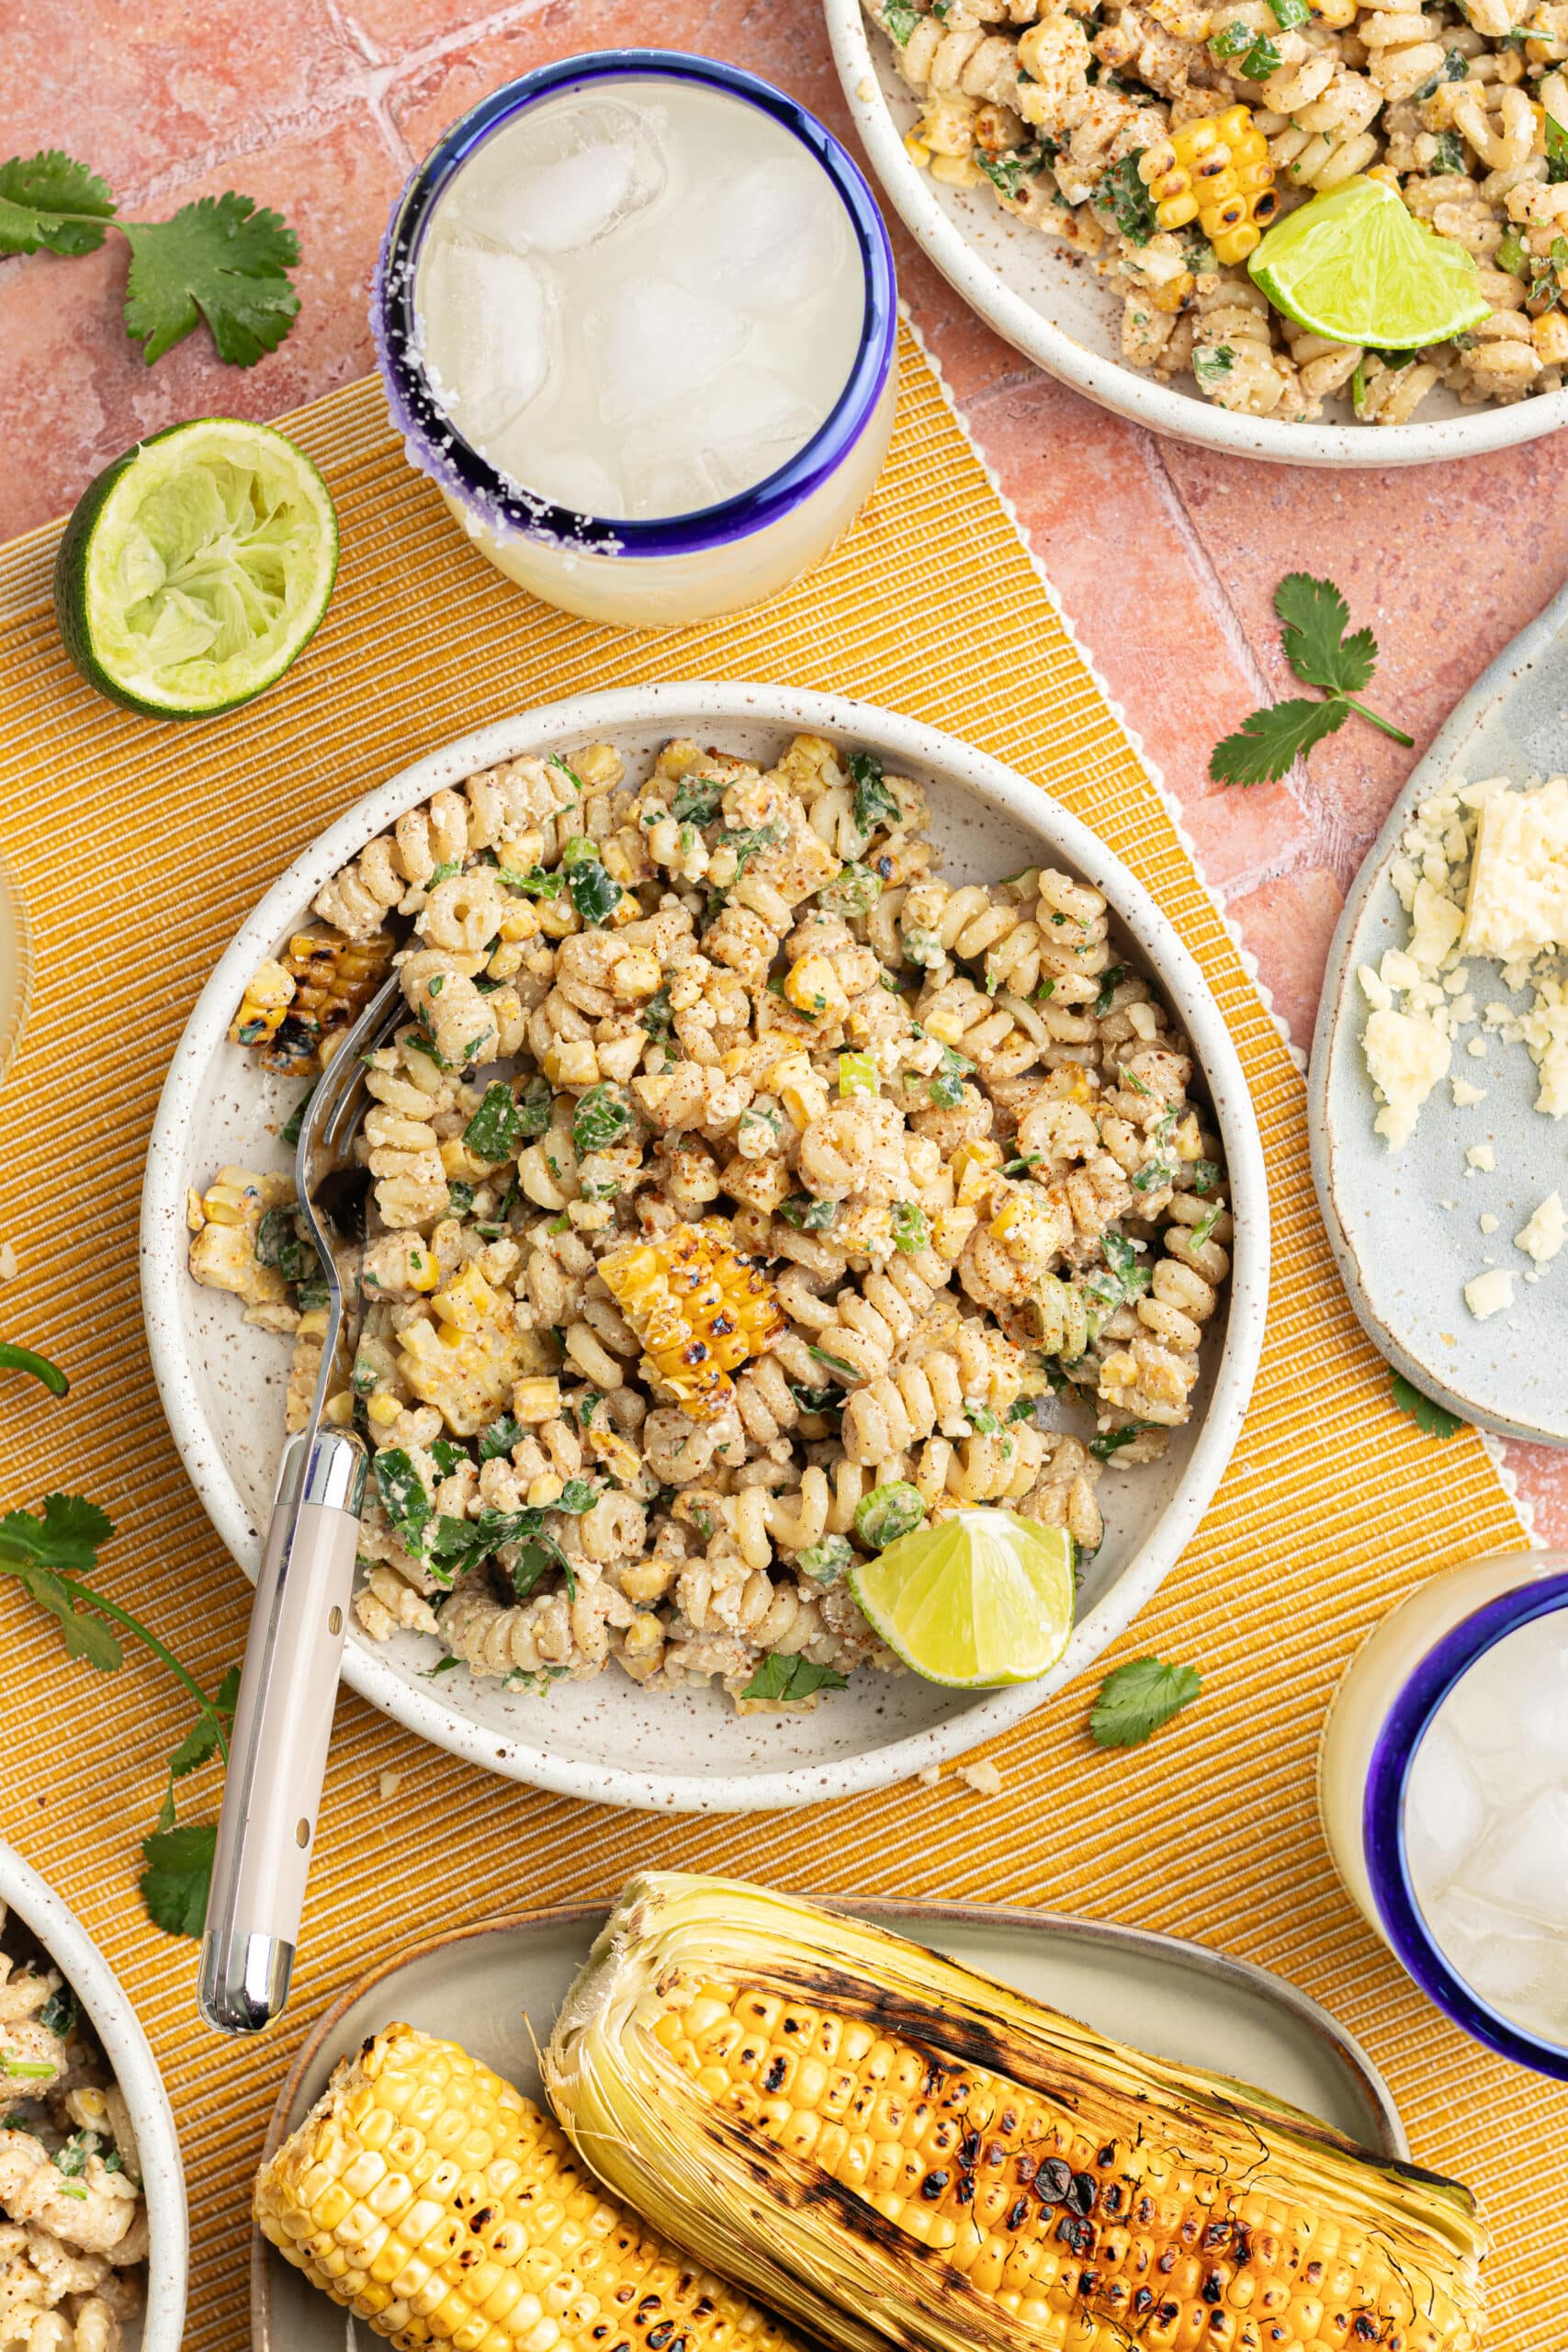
<point x="874" y="805"/>
<point x="789" y="1679"/>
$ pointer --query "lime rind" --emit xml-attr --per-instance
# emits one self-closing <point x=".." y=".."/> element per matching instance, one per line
<point x="1354" y="265"/>
<point x="981" y="1600"/>
<point x="196" y="568"/>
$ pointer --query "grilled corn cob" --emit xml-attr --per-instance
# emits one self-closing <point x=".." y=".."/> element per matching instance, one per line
<point x="888" y="2147"/>
<point x="698" y="1308"/>
<point x="440" y="2205"/>
<point x="1218" y="172"/>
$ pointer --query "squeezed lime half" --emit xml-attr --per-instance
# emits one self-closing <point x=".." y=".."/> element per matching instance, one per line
<point x="195" y="568"/>
<point x="981" y="1598"/>
<point x="1353" y="265"/>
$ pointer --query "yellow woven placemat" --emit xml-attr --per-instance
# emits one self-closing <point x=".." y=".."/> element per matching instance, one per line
<point x="140" y="846"/>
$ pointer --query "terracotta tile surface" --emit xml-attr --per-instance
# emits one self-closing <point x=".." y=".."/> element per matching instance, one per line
<point x="1165" y="557"/>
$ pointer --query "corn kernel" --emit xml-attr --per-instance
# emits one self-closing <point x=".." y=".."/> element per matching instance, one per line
<point x="571" y="1061"/>
<point x="974" y="1165"/>
<point x="813" y="986"/>
<point x="459" y="1162"/>
<point x="637" y="973"/>
<point x="950" y="1230"/>
<point x="1219" y="172"/>
<point x="312" y="1324"/>
<point x="383" y="1410"/>
<point x="1549" y="335"/>
<point x="537" y="1400"/>
<point x="338" y="1410"/>
<point x="424" y="1272"/>
<point x="698" y="1308"/>
<point x="269" y="992"/>
<point x="920" y="154"/>
<point x="946" y="1027"/>
<point x="468" y="1300"/>
<point x="195" y="1215"/>
<point x="955" y="171"/>
<point x="544" y="1490"/>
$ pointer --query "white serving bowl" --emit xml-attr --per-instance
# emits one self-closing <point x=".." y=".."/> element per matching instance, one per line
<point x="221" y="1382"/>
<point x="108" y="2008"/>
<point x="1059" y="314"/>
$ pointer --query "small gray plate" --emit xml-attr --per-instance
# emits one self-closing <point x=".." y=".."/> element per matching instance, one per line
<point x="494" y="1988"/>
<point x="1404" y="1257"/>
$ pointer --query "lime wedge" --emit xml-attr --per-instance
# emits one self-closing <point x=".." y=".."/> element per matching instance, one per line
<point x="981" y="1598"/>
<point x="195" y="567"/>
<point x="1355" y="265"/>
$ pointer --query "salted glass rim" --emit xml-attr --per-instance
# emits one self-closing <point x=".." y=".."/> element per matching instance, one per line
<point x="1395" y="1750"/>
<point x="438" y="448"/>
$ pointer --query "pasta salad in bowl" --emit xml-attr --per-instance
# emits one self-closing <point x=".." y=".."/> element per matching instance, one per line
<point x="801" y="1131"/>
<point x="1098" y="180"/>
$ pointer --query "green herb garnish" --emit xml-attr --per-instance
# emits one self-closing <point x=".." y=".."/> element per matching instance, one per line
<point x="601" y="1119"/>
<point x="911" y="1231"/>
<point x="1123" y="192"/>
<point x="874" y="805"/>
<point x="595" y="893"/>
<point x="1318" y="649"/>
<point x="790" y="1679"/>
<point x="1431" y="1417"/>
<point x="1137" y="1699"/>
<point x="496" y="1129"/>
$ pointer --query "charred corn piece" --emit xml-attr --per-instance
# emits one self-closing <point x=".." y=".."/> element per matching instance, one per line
<point x="699" y="1309"/>
<point x="332" y="980"/>
<point x="887" y="2147"/>
<point x="1218" y="172"/>
<point x="437" y="2204"/>
<point x="269" y="992"/>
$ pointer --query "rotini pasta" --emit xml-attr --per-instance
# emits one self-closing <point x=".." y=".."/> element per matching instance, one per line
<point x="777" y="1172"/>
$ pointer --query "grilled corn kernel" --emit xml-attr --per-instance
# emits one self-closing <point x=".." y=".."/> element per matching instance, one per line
<point x="423" y="1272"/>
<point x="383" y="1410"/>
<point x="571" y="1061"/>
<point x="1218" y="172"/>
<point x="813" y="986"/>
<point x="333" y="979"/>
<point x="312" y="1324"/>
<point x="950" y="1230"/>
<point x="338" y="1411"/>
<point x="468" y="1301"/>
<point x="798" y="1087"/>
<point x="443" y="2208"/>
<point x="637" y="973"/>
<point x="233" y="1197"/>
<point x="920" y="154"/>
<point x="974" y="1166"/>
<point x="537" y="1400"/>
<point x="544" y="1490"/>
<point x="698" y="1308"/>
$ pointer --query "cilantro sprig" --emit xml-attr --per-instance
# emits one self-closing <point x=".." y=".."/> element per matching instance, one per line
<point x="1431" y="1417"/>
<point x="53" y="1553"/>
<point x="1140" y="1696"/>
<point x="223" y="258"/>
<point x="1323" y="651"/>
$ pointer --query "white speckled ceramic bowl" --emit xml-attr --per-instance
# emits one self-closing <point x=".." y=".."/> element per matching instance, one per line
<point x="1404" y="1226"/>
<point x="107" y="2008"/>
<point x="1060" y="314"/>
<point x="222" y="1383"/>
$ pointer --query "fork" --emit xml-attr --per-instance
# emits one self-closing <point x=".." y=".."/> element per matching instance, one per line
<point x="284" y="1717"/>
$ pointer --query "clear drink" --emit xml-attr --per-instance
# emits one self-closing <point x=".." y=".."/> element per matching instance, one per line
<point x="1443" y="1787"/>
<point x="636" y="312"/>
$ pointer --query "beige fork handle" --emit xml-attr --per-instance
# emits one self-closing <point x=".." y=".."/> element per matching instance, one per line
<point x="282" y="1725"/>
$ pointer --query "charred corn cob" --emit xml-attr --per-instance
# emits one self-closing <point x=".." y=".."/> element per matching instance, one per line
<point x="294" y="1010"/>
<point x="1218" y="172"/>
<point x="888" y="2147"/>
<point x="439" y="2205"/>
<point x="699" y="1309"/>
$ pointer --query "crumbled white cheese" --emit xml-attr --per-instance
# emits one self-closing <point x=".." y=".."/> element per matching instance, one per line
<point x="1437" y="923"/>
<point x="928" y="1775"/>
<point x="1375" y="989"/>
<point x="7" y="1261"/>
<point x="1464" y="1094"/>
<point x="1398" y="970"/>
<point x="1488" y="1294"/>
<point x="1456" y="980"/>
<point x="1477" y="1046"/>
<point x="1488" y="1222"/>
<point x="1544" y="1236"/>
<point x="983" y="1778"/>
<point x="388" y="1784"/>
<point x="1462" y="1009"/>
<point x="1482" y="1157"/>
<point x="1519" y="884"/>
<point x="1406" y="1056"/>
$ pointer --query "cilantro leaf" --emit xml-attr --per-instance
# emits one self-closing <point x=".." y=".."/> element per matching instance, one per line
<point x="1556" y="148"/>
<point x="1265" y="745"/>
<point x="223" y="259"/>
<point x="84" y="1636"/>
<point x="499" y="1438"/>
<point x="198" y="1744"/>
<point x="178" y="1876"/>
<point x="1315" y="618"/>
<point x="403" y="1496"/>
<point x="791" y="1679"/>
<point x="1431" y="1418"/>
<point x="1123" y="192"/>
<point x="49" y="201"/>
<point x="1137" y="1699"/>
<point x="67" y="1536"/>
<point x="1111" y="1441"/>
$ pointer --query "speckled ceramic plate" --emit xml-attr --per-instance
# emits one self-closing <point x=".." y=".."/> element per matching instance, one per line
<point x="494" y="1988"/>
<point x="108" y="2007"/>
<point x="1060" y="314"/>
<point x="221" y="1382"/>
<point x="1405" y="1226"/>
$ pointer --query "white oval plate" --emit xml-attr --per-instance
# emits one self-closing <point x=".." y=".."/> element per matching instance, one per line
<point x="494" y="1988"/>
<point x="1060" y="314"/>
<point x="221" y="1382"/>
<point x="107" y="2008"/>
<point x="1404" y="1257"/>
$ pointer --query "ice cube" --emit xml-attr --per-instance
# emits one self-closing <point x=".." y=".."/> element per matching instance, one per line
<point x="1443" y="1811"/>
<point x="774" y="236"/>
<point x="570" y="478"/>
<point x="717" y="442"/>
<point x="1522" y="1862"/>
<point x="1510" y="1712"/>
<point x="489" y="332"/>
<point x="651" y="343"/>
<point x="1506" y="1960"/>
<point x="599" y="165"/>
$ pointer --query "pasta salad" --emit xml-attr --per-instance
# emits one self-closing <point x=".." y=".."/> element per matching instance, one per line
<point x="814" y="1197"/>
<point x="1159" y="139"/>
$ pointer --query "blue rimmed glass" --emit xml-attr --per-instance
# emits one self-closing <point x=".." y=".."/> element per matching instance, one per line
<point x="471" y="482"/>
<point x="1394" y="1749"/>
